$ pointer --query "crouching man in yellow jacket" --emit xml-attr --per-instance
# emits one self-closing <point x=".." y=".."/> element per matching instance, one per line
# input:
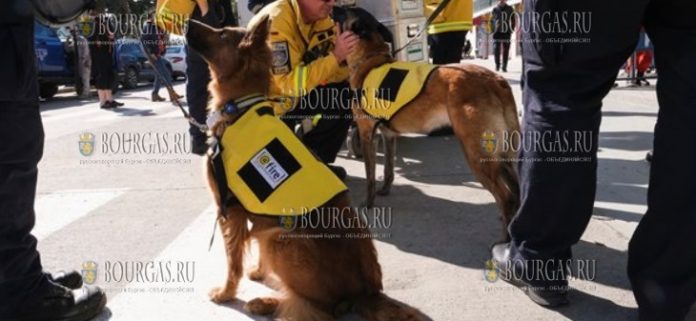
<point x="447" y="33"/>
<point x="309" y="55"/>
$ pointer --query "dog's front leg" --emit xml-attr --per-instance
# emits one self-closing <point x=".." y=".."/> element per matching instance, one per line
<point x="389" y="156"/>
<point x="235" y="235"/>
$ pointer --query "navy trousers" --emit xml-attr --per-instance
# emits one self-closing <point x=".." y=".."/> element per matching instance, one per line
<point x="564" y="82"/>
<point x="197" y="79"/>
<point x="21" y="148"/>
<point x="447" y="47"/>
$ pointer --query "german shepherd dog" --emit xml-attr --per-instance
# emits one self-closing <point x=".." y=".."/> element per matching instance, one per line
<point x="321" y="278"/>
<point x="471" y="99"/>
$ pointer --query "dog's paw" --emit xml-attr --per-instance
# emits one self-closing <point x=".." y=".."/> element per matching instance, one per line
<point x="219" y="295"/>
<point x="257" y="275"/>
<point x="262" y="306"/>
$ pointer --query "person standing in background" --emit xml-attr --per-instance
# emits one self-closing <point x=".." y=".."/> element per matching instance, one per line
<point x="84" y="62"/>
<point x="215" y="14"/>
<point x="447" y="32"/>
<point x="503" y="23"/>
<point x="102" y="51"/>
<point x="154" y="41"/>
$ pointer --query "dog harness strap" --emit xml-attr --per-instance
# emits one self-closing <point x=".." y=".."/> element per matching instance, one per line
<point x="221" y="179"/>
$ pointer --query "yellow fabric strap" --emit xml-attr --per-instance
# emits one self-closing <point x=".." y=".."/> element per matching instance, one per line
<point x="449" y="26"/>
<point x="301" y="81"/>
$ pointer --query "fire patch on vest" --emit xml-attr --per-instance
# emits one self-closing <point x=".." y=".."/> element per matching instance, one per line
<point x="390" y="87"/>
<point x="269" y="170"/>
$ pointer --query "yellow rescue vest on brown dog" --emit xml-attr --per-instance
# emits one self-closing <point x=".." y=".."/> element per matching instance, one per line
<point x="391" y="86"/>
<point x="269" y="170"/>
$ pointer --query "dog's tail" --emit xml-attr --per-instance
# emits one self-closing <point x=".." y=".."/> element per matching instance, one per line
<point x="509" y="175"/>
<point x="380" y="307"/>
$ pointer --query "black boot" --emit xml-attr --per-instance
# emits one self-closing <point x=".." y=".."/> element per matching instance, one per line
<point x="57" y="302"/>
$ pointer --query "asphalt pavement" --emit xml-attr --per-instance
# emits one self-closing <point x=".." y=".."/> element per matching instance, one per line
<point x="136" y="209"/>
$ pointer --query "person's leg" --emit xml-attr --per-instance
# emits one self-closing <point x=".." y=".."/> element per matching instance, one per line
<point x="102" y="99"/>
<point x="156" y="83"/>
<point x="197" y="79"/>
<point x="333" y="103"/>
<point x="506" y="54"/>
<point x="564" y="85"/>
<point x="438" y="49"/>
<point x="496" y="53"/>
<point x="20" y="264"/>
<point x="165" y="72"/>
<point x="455" y="46"/>
<point x="662" y="251"/>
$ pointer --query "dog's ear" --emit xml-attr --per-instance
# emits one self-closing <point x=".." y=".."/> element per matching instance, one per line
<point x="257" y="35"/>
<point x="385" y="33"/>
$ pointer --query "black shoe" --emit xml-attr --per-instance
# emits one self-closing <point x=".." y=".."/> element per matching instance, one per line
<point x="116" y="103"/>
<point x="199" y="146"/>
<point x="545" y="295"/>
<point x="338" y="171"/>
<point x="505" y="69"/>
<point x="497" y="68"/>
<point x="70" y="280"/>
<point x="61" y="303"/>
<point x="107" y="105"/>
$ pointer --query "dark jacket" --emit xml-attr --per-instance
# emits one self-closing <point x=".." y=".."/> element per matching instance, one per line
<point x="503" y="21"/>
<point x="18" y="75"/>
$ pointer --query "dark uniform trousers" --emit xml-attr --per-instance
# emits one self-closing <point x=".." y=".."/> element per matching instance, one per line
<point x="21" y="148"/>
<point x="332" y="101"/>
<point x="501" y="49"/>
<point x="198" y="77"/>
<point x="447" y="47"/>
<point x="564" y="84"/>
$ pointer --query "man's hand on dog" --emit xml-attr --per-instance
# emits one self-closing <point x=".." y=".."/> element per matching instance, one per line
<point x="345" y="42"/>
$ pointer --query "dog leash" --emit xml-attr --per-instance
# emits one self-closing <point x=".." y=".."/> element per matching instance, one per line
<point x="430" y="20"/>
<point x="172" y="94"/>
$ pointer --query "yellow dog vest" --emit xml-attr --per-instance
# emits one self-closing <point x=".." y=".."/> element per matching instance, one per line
<point x="391" y="86"/>
<point x="269" y="170"/>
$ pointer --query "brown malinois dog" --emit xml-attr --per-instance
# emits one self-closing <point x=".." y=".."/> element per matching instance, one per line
<point x="475" y="101"/>
<point x="321" y="278"/>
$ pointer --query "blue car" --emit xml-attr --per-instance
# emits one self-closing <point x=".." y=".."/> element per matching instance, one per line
<point x="55" y="66"/>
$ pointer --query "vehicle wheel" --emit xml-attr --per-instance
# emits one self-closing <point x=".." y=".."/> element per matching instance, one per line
<point x="48" y="90"/>
<point x="78" y="88"/>
<point x="131" y="78"/>
<point x="115" y="87"/>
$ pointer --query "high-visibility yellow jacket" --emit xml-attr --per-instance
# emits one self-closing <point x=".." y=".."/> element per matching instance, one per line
<point x="458" y="15"/>
<point x="302" y="53"/>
